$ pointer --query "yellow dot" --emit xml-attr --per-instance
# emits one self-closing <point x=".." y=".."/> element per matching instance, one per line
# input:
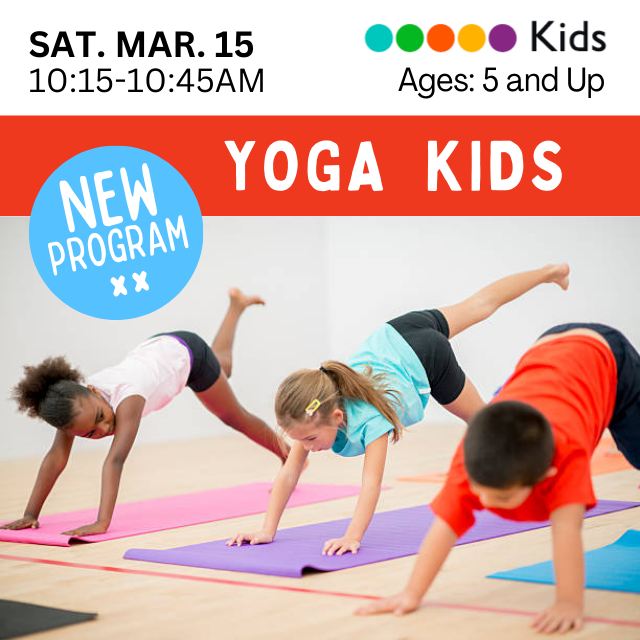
<point x="471" y="38"/>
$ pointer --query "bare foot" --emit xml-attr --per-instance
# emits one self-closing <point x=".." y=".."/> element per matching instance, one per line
<point x="241" y="300"/>
<point x="558" y="274"/>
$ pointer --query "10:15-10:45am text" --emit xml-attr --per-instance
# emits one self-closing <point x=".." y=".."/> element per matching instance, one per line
<point x="154" y="80"/>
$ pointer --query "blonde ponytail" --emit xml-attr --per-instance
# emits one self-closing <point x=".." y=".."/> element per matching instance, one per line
<point x="330" y="385"/>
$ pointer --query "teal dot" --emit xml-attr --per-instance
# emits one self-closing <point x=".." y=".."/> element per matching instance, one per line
<point x="409" y="37"/>
<point x="378" y="37"/>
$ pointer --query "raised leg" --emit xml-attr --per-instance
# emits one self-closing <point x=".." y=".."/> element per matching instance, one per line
<point x="222" y="402"/>
<point x="222" y="344"/>
<point x="487" y="301"/>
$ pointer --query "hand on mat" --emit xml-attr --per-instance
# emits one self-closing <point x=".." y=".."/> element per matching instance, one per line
<point x="87" y="530"/>
<point x="28" y="522"/>
<point x="561" y="617"/>
<point x="340" y="546"/>
<point x="398" y="605"/>
<point x="257" y="537"/>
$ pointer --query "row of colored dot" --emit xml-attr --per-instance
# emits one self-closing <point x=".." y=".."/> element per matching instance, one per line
<point x="441" y="37"/>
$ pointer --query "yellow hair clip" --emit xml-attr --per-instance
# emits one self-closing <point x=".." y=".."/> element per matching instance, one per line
<point x="312" y="407"/>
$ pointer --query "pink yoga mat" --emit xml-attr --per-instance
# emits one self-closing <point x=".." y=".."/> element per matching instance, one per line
<point x="135" y="518"/>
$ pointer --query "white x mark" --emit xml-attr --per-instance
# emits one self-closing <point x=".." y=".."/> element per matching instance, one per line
<point x="141" y="283"/>
<point x="118" y="286"/>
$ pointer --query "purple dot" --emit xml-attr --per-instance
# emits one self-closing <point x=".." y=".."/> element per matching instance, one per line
<point x="502" y="38"/>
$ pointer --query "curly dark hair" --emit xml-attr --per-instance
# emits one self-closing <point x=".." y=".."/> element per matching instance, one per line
<point x="48" y="391"/>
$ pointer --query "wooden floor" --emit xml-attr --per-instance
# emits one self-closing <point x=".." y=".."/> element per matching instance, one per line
<point x="462" y="603"/>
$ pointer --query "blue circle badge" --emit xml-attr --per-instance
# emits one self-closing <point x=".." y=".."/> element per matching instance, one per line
<point x="116" y="232"/>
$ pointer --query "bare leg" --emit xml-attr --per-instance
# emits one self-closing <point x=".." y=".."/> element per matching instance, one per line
<point x="222" y="344"/>
<point x="487" y="301"/>
<point x="222" y="402"/>
<point x="467" y="404"/>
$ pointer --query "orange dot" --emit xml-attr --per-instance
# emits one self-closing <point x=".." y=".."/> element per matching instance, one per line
<point x="471" y="38"/>
<point x="441" y="38"/>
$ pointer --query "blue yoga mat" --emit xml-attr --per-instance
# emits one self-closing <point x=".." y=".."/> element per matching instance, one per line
<point x="615" y="567"/>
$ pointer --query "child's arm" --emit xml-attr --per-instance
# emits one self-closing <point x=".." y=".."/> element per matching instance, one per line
<point x="433" y="552"/>
<point x="568" y="561"/>
<point x="128" y="415"/>
<point x="52" y="466"/>
<point x="375" y="456"/>
<point x="283" y="487"/>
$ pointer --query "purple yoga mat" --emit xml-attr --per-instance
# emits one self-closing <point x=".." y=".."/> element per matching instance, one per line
<point x="392" y="534"/>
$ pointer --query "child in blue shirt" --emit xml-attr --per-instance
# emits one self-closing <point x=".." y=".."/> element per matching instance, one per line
<point x="354" y="408"/>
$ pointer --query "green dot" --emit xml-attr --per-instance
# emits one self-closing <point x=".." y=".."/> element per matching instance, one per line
<point x="410" y="37"/>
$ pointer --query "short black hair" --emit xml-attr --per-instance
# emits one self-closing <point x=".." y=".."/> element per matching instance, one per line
<point x="508" y="444"/>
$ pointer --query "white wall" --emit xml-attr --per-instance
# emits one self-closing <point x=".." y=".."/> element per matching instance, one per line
<point x="280" y="258"/>
<point x="328" y="283"/>
<point x="381" y="267"/>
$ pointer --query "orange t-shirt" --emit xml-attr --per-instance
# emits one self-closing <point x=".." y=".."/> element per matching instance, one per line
<point x="572" y="381"/>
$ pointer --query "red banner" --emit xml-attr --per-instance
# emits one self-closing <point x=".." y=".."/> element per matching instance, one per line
<point x="597" y="157"/>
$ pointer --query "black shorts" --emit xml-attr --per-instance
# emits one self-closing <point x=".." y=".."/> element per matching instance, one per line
<point x="625" y="423"/>
<point x="205" y="368"/>
<point x="427" y="333"/>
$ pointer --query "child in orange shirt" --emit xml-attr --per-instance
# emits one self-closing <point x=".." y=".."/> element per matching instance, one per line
<point x="526" y="457"/>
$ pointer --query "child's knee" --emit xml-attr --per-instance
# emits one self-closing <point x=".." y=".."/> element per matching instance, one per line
<point x="236" y="418"/>
<point x="229" y="419"/>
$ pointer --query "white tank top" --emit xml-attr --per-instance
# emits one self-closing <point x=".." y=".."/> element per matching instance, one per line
<point x="157" y="370"/>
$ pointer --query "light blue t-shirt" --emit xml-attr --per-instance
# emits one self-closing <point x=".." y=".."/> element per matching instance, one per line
<point x="385" y="351"/>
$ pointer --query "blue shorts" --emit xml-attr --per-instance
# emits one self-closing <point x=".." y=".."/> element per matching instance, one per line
<point x="625" y="423"/>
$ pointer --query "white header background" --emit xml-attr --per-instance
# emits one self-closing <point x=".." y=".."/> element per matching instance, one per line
<point x="315" y="60"/>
